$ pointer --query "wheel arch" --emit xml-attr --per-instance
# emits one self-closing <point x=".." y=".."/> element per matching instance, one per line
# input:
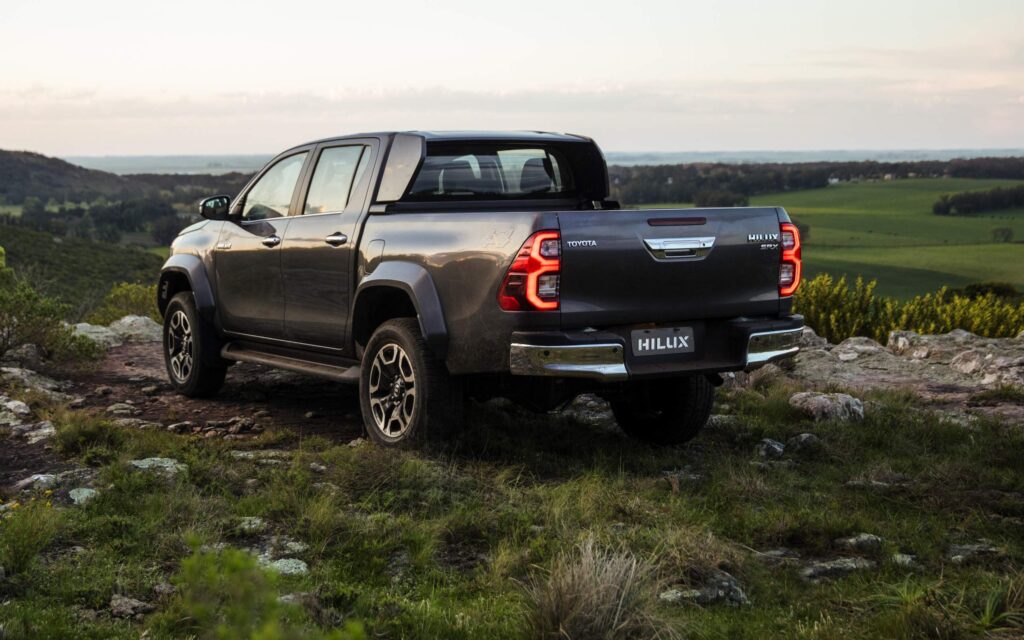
<point x="184" y="272"/>
<point x="397" y="289"/>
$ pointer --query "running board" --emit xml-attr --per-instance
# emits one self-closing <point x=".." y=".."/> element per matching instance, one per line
<point x="338" y="373"/>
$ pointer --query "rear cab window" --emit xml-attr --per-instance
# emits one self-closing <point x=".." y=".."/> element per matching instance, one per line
<point x="491" y="171"/>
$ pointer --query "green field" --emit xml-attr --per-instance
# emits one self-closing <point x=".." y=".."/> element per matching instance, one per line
<point x="886" y="231"/>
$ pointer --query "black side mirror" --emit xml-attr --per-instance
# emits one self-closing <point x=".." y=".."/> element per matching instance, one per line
<point x="215" y="207"/>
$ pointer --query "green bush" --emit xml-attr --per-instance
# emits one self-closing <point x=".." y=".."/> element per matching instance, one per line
<point x="26" y="530"/>
<point x="837" y="311"/>
<point x="126" y="299"/>
<point x="26" y="317"/>
<point x="227" y="596"/>
<point x="78" y="432"/>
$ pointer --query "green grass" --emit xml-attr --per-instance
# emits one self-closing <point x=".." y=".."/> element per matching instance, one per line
<point x="886" y="231"/>
<point x="482" y="537"/>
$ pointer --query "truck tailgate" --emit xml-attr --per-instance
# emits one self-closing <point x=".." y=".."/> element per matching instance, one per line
<point x="667" y="265"/>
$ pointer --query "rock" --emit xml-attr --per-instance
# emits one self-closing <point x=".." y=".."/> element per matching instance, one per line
<point x="828" y="406"/>
<point x="860" y="542"/>
<point x="82" y="495"/>
<point x="316" y="467"/>
<point x="811" y="340"/>
<point x="164" y="589"/>
<point x="311" y="414"/>
<point x="803" y="443"/>
<point x="168" y="467"/>
<point x="35" y="381"/>
<point x="719" y="587"/>
<point x="969" y="362"/>
<point x="358" y="442"/>
<point x="982" y="549"/>
<point x="260" y="454"/>
<point x="123" y="409"/>
<point x="9" y="418"/>
<point x="289" y="567"/>
<point x="837" y="568"/>
<point x="26" y="355"/>
<point x="18" y="408"/>
<point x="137" y="423"/>
<point x="251" y="524"/>
<point x="137" y="329"/>
<point x="103" y="390"/>
<point x="676" y="477"/>
<point x="180" y="427"/>
<point x="36" y="481"/>
<point x="124" y="607"/>
<point x="102" y="336"/>
<point x="905" y="560"/>
<point x="770" y="465"/>
<point x="769" y="449"/>
<point x="35" y="432"/>
<point x="778" y="556"/>
<point x="853" y="348"/>
<point x="298" y="598"/>
<point x="150" y="389"/>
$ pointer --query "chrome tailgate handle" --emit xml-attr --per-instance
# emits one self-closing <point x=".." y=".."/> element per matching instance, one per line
<point x="680" y="248"/>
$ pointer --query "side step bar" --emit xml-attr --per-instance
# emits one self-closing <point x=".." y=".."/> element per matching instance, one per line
<point x="340" y="374"/>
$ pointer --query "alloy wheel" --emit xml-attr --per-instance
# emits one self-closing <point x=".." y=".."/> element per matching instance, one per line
<point x="180" y="351"/>
<point x="392" y="390"/>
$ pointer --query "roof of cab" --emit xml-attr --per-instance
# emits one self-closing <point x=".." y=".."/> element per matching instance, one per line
<point x="462" y="136"/>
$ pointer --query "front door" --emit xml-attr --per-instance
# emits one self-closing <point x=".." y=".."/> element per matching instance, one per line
<point x="247" y="258"/>
<point x="319" y="247"/>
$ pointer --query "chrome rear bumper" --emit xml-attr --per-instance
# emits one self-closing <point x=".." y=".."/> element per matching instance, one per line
<point x="602" y="355"/>
<point x="769" y="346"/>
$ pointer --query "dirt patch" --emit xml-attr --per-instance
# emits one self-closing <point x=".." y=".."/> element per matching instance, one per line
<point x="310" y="405"/>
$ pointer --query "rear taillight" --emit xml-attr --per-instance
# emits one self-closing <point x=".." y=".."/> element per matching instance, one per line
<point x="531" y="283"/>
<point x="789" y="266"/>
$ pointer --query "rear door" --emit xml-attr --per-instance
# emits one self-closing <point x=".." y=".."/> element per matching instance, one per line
<point x="667" y="265"/>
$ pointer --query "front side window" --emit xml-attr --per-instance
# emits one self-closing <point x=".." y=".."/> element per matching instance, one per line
<point x="488" y="171"/>
<point x="337" y="171"/>
<point x="271" y="196"/>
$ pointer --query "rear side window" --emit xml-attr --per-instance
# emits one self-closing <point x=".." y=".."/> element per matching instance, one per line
<point x="337" y="170"/>
<point x="491" y="172"/>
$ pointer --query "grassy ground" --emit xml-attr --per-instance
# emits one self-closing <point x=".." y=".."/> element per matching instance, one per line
<point x="469" y="540"/>
<point x="886" y="230"/>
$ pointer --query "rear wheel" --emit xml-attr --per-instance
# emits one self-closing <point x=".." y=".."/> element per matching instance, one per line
<point x="670" y="411"/>
<point x="406" y="394"/>
<point x="190" y="353"/>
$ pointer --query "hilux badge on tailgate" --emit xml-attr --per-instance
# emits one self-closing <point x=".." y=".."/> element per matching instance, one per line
<point x="766" y="240"/>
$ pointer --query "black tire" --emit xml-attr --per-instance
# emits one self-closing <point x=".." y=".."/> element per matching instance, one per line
<point x="670" y="411"/>
<point x="405" y="393"/>
<point x="191" y="352"/>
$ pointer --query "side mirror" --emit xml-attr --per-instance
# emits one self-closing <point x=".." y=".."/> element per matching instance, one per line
<point x="215" y="207"/>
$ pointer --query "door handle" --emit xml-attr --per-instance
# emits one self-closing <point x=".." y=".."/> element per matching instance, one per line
<point x="336" y="239"/>
<point x="271" y="241"/>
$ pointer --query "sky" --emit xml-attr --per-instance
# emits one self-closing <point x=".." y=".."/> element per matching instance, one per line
<point x="111" y="77"/>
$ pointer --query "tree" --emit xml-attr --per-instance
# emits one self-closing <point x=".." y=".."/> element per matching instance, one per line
<point x="166" y="229"/>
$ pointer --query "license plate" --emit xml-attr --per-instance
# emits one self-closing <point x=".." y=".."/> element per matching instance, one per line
<point x="660" y="342"/>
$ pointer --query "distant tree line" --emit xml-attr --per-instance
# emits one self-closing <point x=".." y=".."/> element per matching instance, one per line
<point x="721" y="184"/>
<point x="102" y="221"/>
<point x="968" y="202"/>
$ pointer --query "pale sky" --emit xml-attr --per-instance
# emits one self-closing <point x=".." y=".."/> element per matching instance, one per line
<point x="104" y="77"/>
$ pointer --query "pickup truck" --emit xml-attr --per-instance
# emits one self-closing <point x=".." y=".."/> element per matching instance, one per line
<point x="427" y="266"/>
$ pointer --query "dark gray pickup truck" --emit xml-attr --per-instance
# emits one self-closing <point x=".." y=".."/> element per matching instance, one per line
<point x="429" y="266"/>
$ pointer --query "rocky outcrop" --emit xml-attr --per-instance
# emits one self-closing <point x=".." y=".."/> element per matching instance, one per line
<point x="828" y="406"/>
<point x="102" y="336"/>
<point x="137" y="329"/>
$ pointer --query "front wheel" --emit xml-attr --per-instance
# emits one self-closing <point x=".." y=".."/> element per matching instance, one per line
<point x="193" y="365"/>
<point x="669" y="411"/>
<point x="405" y="393"/>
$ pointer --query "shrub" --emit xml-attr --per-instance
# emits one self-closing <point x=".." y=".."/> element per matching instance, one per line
<point x="26" y="317"/>
<point x="597" y="593"/>
<point x="227" y="596"/>
<point x="126" y="299"/>
<point x="25" y="531"/>
<point x="837" y="311"/>
<point x="78" y="432"/>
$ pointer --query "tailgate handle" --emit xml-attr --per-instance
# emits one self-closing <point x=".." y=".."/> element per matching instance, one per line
<point x="680" y="248"/>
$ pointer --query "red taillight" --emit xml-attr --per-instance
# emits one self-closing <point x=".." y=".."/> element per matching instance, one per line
<point x="532" y="281"/>
<point x="790" y="264"/>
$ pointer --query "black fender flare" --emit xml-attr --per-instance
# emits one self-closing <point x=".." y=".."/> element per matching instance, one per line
<point x="194" y="270"/>
<point x="416" y="282"/>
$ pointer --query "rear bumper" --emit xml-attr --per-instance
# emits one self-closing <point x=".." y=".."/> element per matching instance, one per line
<point x="732" y="345"/>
